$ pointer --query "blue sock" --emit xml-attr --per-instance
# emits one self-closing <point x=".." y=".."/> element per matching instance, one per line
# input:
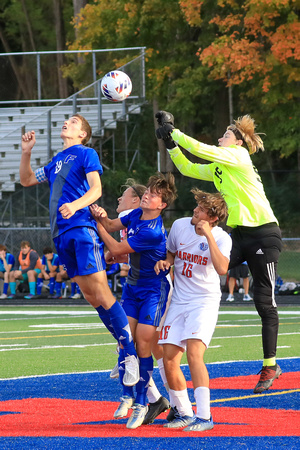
<point x="32" y="287"/>
<point x="12" y="286"/>
<point x="51" y="285"/>
<point x="39" y="285"/>
<point x="146" y="370"/>
<point x="78" y="291"/>
<point x="127" y="390"/>
<point x="5" y="288"/>
<point x="58" y="287"/>
<point x="104" y="316"/>
<point x="73" y="287"/>
<point x="120" y="324"/>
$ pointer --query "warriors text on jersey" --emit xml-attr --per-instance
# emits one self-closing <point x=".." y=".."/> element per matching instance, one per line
<point x="194" y="274"/>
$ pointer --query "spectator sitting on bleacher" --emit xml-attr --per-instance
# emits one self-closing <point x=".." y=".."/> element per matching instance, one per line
<point x="49" y="270"/>
<point x="30" y="267"/>
<point x="7" y="262"/>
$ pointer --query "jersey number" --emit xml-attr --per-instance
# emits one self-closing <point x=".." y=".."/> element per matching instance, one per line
<point x="187" y="270"/>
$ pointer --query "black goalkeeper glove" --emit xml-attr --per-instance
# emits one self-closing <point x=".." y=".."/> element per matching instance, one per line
<point x="164" y="133"/>
<point x="166" y="122"/>
<point x="164" y="117"/>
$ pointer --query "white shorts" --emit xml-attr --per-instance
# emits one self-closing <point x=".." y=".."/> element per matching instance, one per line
<point x="191" y="321"/>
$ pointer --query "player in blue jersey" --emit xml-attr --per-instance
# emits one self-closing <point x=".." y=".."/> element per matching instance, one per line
<point x="7" y="262"/>
<point x="145" y="293"/>
<point x="74" y="179"/>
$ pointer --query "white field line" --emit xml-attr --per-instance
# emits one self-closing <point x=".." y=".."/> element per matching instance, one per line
<point x="254" y="335"/>
<point x="13" y="345"/>
<point x="109" y="370"/>
<point x="92" y="312"/>
<point x="65" y="327"/>
<point x="50" y="347"/>
<point x="48" y="313"/>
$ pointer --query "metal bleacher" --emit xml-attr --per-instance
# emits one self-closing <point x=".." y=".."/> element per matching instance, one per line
<point x="47" y="122"/>
<point x="14" y="122"/>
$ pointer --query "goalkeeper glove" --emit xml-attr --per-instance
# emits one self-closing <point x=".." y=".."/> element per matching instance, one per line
<point x="164" y="117"/>
<point x="164" y="133"/>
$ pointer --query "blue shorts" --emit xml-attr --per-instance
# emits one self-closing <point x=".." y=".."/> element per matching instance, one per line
<point x="81" y="251"/>
<point x="146" y="304"/>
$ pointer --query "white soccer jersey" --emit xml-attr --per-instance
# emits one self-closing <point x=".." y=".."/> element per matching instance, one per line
<point x="195" y="278"/>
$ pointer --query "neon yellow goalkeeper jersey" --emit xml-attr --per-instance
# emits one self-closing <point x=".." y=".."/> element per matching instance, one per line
<point x="233" y="174"/>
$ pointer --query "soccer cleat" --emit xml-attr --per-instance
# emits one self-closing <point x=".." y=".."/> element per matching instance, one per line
<point x="267" y="375"/>
<point x="200" y="425"/>
<point x="180" y="421"/>
<point x="3" y="296"/>
<point x="76" y="296"/>
<point x="172" y="413"/>
<point x="230" y="298"/>
<point x="115" y="372"/>
<point x="247" y="298"/>
<point x="137" y="417"/>
<point x="132" y="371"/>
<point x="29" y="296"/>
<point x="124" y="407"/>
<point x="11" y="296"/>
<point x="155" y="409"/>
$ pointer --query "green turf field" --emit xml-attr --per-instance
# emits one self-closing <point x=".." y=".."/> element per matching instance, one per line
<point x="49" y="340"/>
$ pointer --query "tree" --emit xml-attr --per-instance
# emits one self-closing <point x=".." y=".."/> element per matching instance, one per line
<point x="28" y="26"/>
<point x="256" y="50"/>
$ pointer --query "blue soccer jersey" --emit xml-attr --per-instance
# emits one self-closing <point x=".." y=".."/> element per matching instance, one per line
<point x="10" y="259"/>
<point x="66" y="175"/>
<point x="54" y="262"/>
<point x="148" y="240"/>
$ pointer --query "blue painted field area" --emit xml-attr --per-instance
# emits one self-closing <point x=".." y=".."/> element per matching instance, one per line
<point x="75" y="411"/>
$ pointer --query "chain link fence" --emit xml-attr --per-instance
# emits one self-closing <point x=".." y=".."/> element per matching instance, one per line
<point x="40" y="237"/>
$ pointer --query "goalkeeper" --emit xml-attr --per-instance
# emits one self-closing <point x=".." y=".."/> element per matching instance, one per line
<point x="256" y="237"/>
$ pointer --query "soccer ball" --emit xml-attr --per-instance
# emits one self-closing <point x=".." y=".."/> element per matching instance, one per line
<point x="116" y="86"/>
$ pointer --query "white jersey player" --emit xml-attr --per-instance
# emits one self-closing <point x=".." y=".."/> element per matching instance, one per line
<point x="200" y="252"/>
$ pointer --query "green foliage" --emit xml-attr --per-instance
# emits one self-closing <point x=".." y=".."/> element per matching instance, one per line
<point x="289" y="266"/>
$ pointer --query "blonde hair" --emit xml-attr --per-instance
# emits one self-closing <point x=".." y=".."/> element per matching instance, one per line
<point x="213" y="203"/>
<point x="138" y="189"/>
<point x="244" y="129"/>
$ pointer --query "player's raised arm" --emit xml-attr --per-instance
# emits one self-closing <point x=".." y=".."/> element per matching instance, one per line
<point x="27" y="176"/>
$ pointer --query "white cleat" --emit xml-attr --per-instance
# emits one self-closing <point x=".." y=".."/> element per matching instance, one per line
<point x="132" y="370"/>
<point x="124" y="407"/>
<point x="115" y="372"/>
<point x="200" y="425"/>
<point x="137" y="417"/>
